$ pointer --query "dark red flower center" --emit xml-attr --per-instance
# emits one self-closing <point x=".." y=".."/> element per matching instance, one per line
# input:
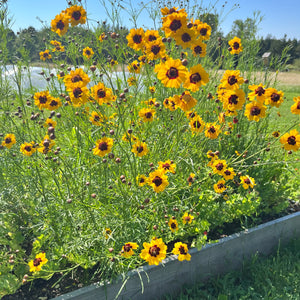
<point x="139" y="149"/>
<point x="186" y="37"/>
<point x="173" y="225"/>
<point x="275" y="97"/>
<point x="127" y="247"/>
<point x="198" y="49"/>
<point x="77" y="92"/>
<point x="96" y="118"/>
<point x="76" y="78"/>
<point x="76" y="15"/>
<point x="232" y="80"/>
<point x="247" y="181"/>
<point x="227" y="172"/>
<point x="166" y="166"/>
<point x="236" y="45"/>
<point x="155" y="49"/>
<point x="233" y="99"/>
<point x="175" y="25"/>
<point x="203" y="31"/>
<point x="148" y="115"/>
<point x="45" y="54"/>
<point x="37" y="262"/>
<point x="197" y="124"/>
<point x="28" y="148"/>
<point x="212" y="129"/>
<point x="219" y="166"/>
<point x="142" y="180"/>
<point x="182" y="250"/>
<point x="255" y="111"/>
<point x="154" y="250"/>
<point x="298" y="105"/>
<point x="43" y="99"/>
<point x="157" y="181"/>
<point x="7" y="140"/>
<point x="187" y="218"/>
<point x="194" y="78"/>
<point x="103" y="146"/>
<point x="221" y="185"/>
<point x="152" y="38"/>
<point x="101" y="93"/>
<point x="53" y="103"/>
<point x="291" y="140"/>
<point x="88" y="52"/>
<point x="260" y="91"/>
<point x="137" y="38"/>
<point x="172" y="73"/>
<point x="60" y="25"/>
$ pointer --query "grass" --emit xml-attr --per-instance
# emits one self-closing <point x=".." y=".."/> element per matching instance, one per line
<point x="274" y="277"/>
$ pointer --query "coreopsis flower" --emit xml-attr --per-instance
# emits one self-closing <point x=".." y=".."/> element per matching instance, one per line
<point x="76" y="15"/>
<point x="141" y="180"/>
<point x="103" y="146"/>
<point x="228" y="174"/>
<point x="44" y="55"/>
<point x="102" y="94"/>
<point x="154" y="252"/>
<point x="185" y="37"/>
<point x="140" y="149"/>
<point x="235" y="45"/>
<point x="101" y="37"/>
<point x="134" y="67"/>
<point x="181" y="250"/>
<point x="136" y="39"/>
<point x="173" y="22"/>
<point x="36" y="264"/>
<point x="191" y="178"/>
<point x="221" y="117"/>
<point x="167" y="11"/>
<point x="147" y="114"/>
<point x="129" y="137"/>
<point x="295" y="108"/>
<point x="55" y="43"/>
<point x="254" y="111"/>
<point x="258" y="92"/>
<point x="291" y="140"/>
<point x="199" y="48"/>
<point x="27" y="148"/>
<point x="152" y="89"/>
<point x="220" y="187"/>
<point x="273" y="97"/>
<point x="50" y="123"/>
<point x="196" y="77"/>
<point x="247" y="182"/>
<point x="276" y="133"/>
<point x="171" y="73"/>
<point x="158" y="180"/>
<point x="219" y="166"/>
<point x="54" y="103"/>
<point x="9" y="140"/>
<point x="173" y="224"/>
<point x="212" y="131"/>
<point x="59" y="49"/>
<point x="60" y="24"/>
<point x="233" y="99"/>
<point x="87" y="52"/>
<point x="187" y="218"/>
<point x="132" y="81"/>
<point x="155" y="49"/>
<point x="113" y="62"/>
<point x="97" y="119"/>
<point x="151" y="35"/>
<point x="127" y="249"/>
<point x="231" y="80"/>
<point x="107" y="233"/>
<point x="203" y="29"/>
<point x="46" y="144"/>
<point x="42" y="99"/>
<point x="170" y="103"/>
<point x="77" y="77"/>
<point x="167" y="166"/>
<point x="185" y="101"/>
<point x="78" y="94"/>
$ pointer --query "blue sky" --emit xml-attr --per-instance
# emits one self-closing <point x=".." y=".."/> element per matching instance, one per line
<point x="280" y="17"/>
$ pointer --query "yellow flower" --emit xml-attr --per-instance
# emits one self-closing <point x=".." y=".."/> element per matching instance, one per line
<point x="42" y="99"/>
<point x="231" y="80"/>
<point x="96" y="118"/>
<point x="134" y="67"/>
<point x="199" y="48"/>
<point x="50" y="123"/>
<point x="132" y="81"/>
<point x="187" y="218"/>
<point x="55" y="43"/>
<point x="295" y="108"/>
<point x="233" y="99"/>
<point x="212" y="131"/>
<point x="77" y="77"/>
<point x="147" y="114"/>
<point x="167" y="166"/>
<point x="9" y="140"/>
<point x="152" y="89"/>
<point x="185" y="101"/>
<point x="220" y="187"/>
<point x="127" y="249"/>
<point x="273" y="97"/>
<point x="44" y="55"/>
<point x="141" y="180"/>
<point x="46" y="144"/>
<point x="171" y="73"/>
<point x="155" y="49"/>
<point x="140" y="149"/>
<point x="76" y="15"/>
<point x="190" y="179"/>
<point x="102" y="37"/>
<point x="27" y="149"/>
<point x="167" y="11"/>
<point x="258" y="92"/>
<point x="228" y="174"/>
<point x="102" y="94"/>
<point x="173" y="224"/>
<point x="170" y="104"/>
<point x="136" y="38"/>
<point x="154" y="252"/>
<point x="255" y="110"/>
<point x="196" y="77"/>
<point x="87" y="52"/>
<point x="185" y="37"/>
<point x="173" y="22"/>
<point x="107" y="232"/>
<point x="203" y="29"/>
<point x="158" y="180"/>
<point x="54" y="103"/>
<point x="219" y="166"/>
<point x="36" y="264"/>
<point x="181" y="250"/>
<point x="60" y="24"/>
<point x="247" y="182"/>
<point x="79" y="94"/>
<point x="291" y="140"/>
<point x="103" y="146"/>
<point x="235" y="45"/>
<point x="151" y="35"/>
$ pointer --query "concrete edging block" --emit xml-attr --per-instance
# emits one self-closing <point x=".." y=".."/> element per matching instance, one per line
<point x="153" y="282"/>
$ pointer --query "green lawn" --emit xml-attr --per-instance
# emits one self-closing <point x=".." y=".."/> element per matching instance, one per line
<point x="275" y="277"/>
